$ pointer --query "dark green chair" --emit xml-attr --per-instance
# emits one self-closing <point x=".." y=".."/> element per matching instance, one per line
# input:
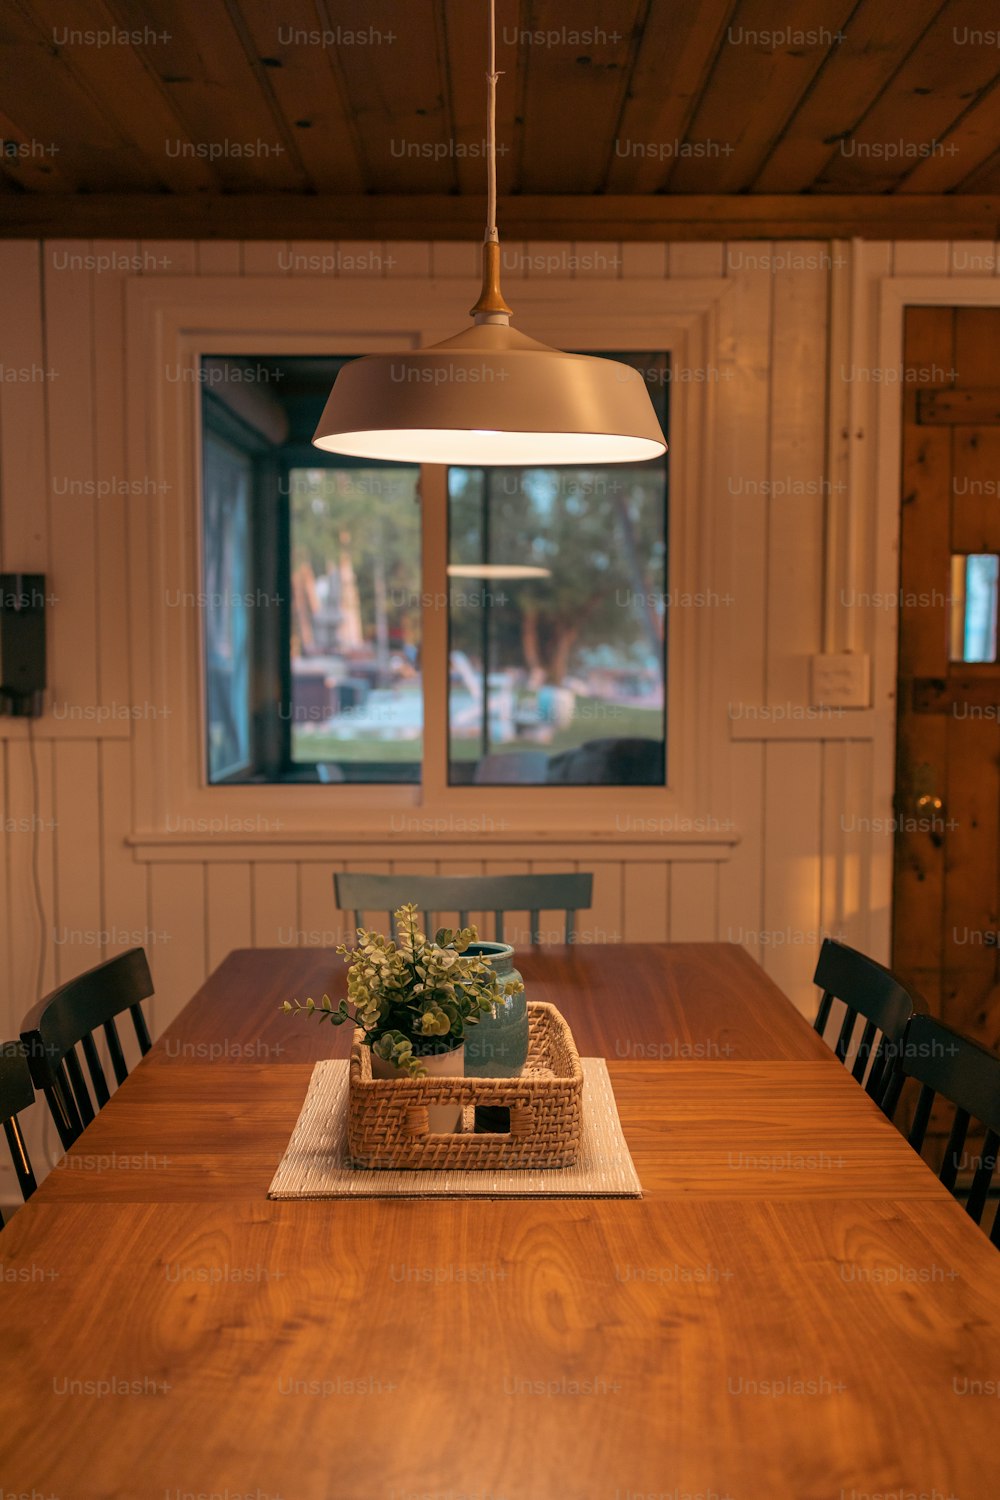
<point x="945" y="1062"/>
<point x="16" y="1093"/>
<point x="461" y="894"/>
<point x="68" y="1018"/>
<point x="872" y="992"/>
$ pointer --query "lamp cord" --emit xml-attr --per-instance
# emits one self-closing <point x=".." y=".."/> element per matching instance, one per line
<point x="491" y="308"/>
<point x="491" y="235"/>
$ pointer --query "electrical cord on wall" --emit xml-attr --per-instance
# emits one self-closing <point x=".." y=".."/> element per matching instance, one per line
<point x="48" y="1151"/>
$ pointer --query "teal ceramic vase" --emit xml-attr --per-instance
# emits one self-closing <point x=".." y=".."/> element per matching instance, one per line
<point x="497" y="1046"/>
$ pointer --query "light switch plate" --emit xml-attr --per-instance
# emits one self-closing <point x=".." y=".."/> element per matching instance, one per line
<point x="841" y="679"/>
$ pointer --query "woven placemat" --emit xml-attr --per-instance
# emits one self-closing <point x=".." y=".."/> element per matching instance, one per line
<point x="314" y="1164"/>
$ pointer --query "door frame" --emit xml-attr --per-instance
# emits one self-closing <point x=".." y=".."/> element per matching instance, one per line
<point x="893" y="294"/>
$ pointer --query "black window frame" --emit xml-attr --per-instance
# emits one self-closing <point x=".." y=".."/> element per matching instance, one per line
<point x="271" y="761"/>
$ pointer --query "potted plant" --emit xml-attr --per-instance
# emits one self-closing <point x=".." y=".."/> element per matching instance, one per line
<point x="413" y="1000"/>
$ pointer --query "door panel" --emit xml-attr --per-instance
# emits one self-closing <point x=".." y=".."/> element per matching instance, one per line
<point x="947" y="851"/>
<point x="921" y="741"/>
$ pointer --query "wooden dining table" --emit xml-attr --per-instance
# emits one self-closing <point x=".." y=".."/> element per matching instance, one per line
<point x="794" y="1310"/>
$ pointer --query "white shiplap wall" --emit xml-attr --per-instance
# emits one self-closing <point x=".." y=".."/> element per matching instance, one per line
<point x="66" y="794"/>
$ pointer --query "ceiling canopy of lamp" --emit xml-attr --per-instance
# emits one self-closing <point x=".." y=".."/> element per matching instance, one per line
<point x="490" y="395"/>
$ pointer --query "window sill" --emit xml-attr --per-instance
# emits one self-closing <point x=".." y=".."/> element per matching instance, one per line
<point x="638" y="843"/>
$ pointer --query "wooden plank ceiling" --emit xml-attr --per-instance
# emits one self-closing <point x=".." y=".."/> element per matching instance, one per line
<point x="142" y="110"/>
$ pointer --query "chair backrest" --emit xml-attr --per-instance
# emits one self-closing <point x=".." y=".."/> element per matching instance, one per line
<point x="944" y="1062"/>
<point x="869" y="990"/>
<point x="16" y="1093"/>
<point x="461" y="894"/>
<point x="523" y="768"/>
<point x="68" y="1017"/>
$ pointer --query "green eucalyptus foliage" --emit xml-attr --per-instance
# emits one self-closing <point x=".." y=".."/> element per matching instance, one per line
<point x="409" y="995"/>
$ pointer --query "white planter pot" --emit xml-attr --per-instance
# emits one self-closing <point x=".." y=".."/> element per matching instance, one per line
<point x="442" y="1119"/>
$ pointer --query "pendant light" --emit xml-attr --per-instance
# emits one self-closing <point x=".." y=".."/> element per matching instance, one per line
<point x="490" y="395"/>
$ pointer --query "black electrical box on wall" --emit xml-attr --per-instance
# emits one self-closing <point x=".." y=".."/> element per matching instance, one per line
<point x="22" y="644"/>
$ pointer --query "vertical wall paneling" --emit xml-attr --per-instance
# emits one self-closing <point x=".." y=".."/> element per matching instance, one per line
<point x="24" y="529"/>
<point x="544" y="258"/>
<point x="694" y="902"/>
<point x="408" y="258"/>
<point x="175" y="946"/>
<point x="744" y="469"/>
<point x="921" y="258"/>
<point x="971" y="258"/>
<point x="78" y="838"/>
<point x="229" y="909"/>
<point x="32" y="934"/>
<point x="31" y="850"/>
<point x="513" y="260"/>
<point x="644" y="258"/>
<point x="646" y="901"/>
<point x="791" y="427"/>
<point x="456" y="258"/>
<point x="311" y="258"/>
<point x="364" y="258"/>
<point x="607" y="913"/>
<point x="797" y="473"/>
<point x="697" y="258"/>
<point x="322" y="924"/>
<point x="741" y="877"/>
<point x="219" y="258"/>
<point x="275" y="905"/>
<point x="791" y="929"/>
<point x="871" y="261"/>
<point x="265" y="258"/>
<point x="114" y="495"/>
<point x="744" y="472"/>
<point x="169" y="257"/>
<point x="71" y="631"/>
<point x="840" y="623"/>
<point x="846" y="842"/>
<point x="597" y="260"/>
<point x="124" y="880"/>
<point x="24" y="534"/>
<point x="8" y="823"/>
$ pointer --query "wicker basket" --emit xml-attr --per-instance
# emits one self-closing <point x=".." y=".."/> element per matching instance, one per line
<point x="387" y="1119"/>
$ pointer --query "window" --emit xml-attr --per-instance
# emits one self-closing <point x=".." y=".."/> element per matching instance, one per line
<point x="356" y="707"/>
<point x="557" y="625"/>
<point x="316" y="604"/>
<point x="974" y="578"/>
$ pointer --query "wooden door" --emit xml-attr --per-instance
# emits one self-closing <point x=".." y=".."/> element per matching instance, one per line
<point x="945" y="910"/>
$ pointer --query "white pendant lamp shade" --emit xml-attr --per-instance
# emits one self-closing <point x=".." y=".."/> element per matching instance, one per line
<point x="490" y="395"/>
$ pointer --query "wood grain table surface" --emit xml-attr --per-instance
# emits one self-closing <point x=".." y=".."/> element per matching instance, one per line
<point x="795" y="1310"/>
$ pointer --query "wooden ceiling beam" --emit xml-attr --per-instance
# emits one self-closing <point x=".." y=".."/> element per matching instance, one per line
<point x="285" y="216"/>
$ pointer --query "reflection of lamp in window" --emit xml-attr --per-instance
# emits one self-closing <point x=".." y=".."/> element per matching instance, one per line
<point x="496" y="570"/>
<point x="490" y="395"/>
